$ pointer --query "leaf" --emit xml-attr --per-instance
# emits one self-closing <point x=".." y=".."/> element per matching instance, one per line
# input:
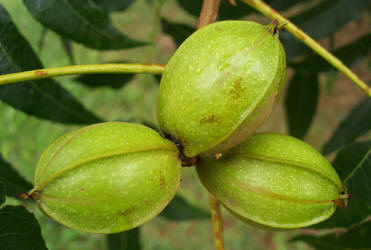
<point x="157" y="78"/>
<point x="42" y="38"/>
<point x="179" y="32"/>
<point x="81" y="21"/>
<point x="150" y="2"/>
<point x="67" y="45"/>
<point x="352" y="163"/>
<point x="114" y="5"/>
<point x="179" y="209"/>
<point x="349" y="157"/>
<point x="330" y="16"/>
<point x="43" y="98"/>
<point x="133" y="239"/>
<point x="114" y="81"/>
<point x="330" y="80"/>
<point x="2" y="193"/>
<point x="128" y="240"/>
<point x="149" y="124"/>
<point x="357" y="123"/>
<point x="349" y="54"/>
<point x="357" y="237"/>
<point x="13" y="182"/>
<point x="301" y="102"/>
<point x="117" y="241"/>
<point x="19" y="230"/>
<point x="65" y="42"/>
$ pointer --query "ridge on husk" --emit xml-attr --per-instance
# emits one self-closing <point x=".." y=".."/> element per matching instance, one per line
<point x="275" y="181"/>
<point x="220" y="85"/>
<point x="107" y="177"/>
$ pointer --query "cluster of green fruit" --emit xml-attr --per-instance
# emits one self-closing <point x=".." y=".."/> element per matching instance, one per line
<point x="218" y="88"/>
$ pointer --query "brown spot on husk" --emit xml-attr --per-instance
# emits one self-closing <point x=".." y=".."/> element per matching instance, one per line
<point x="210" y="119"/>
<point x="126" y="212"/>
<point x="162" y="181"/>
<point x="237" y="90"/>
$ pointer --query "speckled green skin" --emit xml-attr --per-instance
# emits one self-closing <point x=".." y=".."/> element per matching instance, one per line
<point x="273" y="180"/>
<point x="221" y="85"/>
<point x="107" y="178"/>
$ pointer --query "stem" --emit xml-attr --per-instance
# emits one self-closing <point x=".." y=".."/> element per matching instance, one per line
<point x="155" y="28"/>
<point x="209" y="12"/>
<point x="82" y="69"/>
<point x="217" y="223"/>
<point x="298" y="33"/>
<point x="208" y="15"/>
<point x="146" y="80"/>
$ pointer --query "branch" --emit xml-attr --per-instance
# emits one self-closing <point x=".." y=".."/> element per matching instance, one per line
<point x="208" y="15"/>
<point x="217" y="223"/>
<point x="156" y="22"/>
<point x="82" y="69"/>
<point x="146" y="80"/>
<point x="209" y="12"/>
<point x="298" y="33"/>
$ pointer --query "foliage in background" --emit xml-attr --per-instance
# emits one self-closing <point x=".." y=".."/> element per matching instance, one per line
<point x="88" y="23"/>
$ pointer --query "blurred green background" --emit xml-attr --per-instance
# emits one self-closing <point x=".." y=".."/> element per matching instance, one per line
<point x="23" y="137"/>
